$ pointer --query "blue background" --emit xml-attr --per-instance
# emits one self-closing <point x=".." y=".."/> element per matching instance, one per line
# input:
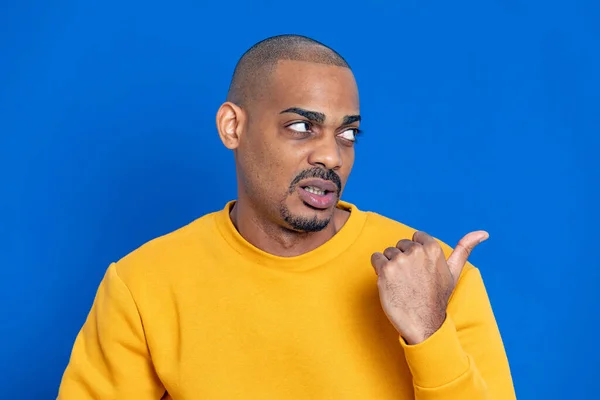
<point x="478" y="114"/>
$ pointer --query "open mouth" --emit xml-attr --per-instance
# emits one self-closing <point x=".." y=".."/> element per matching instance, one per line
<point x="316" y="190"/>
<point x="317" y="198"/>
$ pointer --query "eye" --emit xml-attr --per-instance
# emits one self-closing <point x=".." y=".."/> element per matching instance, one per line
<point x="301" y="127"/>
<point x="349" y="134"/>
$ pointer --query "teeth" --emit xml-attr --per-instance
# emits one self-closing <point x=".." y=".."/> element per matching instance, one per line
<point x="314" y="190"/>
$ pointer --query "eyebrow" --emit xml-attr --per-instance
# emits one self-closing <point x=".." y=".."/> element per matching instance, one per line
<point x="319" y="117"/>
<point x="349" y="119"/>
<point x="310" y="115"/>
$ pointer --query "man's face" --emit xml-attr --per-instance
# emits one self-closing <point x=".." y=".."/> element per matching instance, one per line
<point x="298" y="146"/>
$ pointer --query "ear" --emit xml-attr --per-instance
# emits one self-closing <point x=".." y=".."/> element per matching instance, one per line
<point x="230" y="124"/>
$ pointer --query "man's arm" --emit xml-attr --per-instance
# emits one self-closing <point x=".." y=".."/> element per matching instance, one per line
<point x="110" y="357"/>
<point x="442" y="312"/>
<point x="465" y="358"/>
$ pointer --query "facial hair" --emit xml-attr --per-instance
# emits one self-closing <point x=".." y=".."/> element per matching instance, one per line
<point x="304" y="224"/>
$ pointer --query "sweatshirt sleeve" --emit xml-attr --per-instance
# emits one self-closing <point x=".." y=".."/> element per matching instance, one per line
<point x="110" y="357"/>
<point x="465" y="358"/>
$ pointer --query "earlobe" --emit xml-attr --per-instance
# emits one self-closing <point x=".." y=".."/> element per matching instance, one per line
<point x="230" y="121"/>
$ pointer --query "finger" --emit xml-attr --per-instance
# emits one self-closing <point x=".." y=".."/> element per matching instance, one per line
<point x="423" y="238"/>
<point x="462" y="251"/>
<point x="378" y="260"/>
<point x="391" y="252"/>
<point x="406" y="245"/>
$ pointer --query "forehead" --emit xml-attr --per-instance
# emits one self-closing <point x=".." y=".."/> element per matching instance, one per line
<point x="317" y="87"/>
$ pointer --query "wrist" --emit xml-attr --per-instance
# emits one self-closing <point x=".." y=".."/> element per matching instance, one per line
<point x="424" y="331"/>
<point x="438" y="360"/>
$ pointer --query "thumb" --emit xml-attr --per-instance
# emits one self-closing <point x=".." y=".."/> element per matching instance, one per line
<point x="462" y="251"/>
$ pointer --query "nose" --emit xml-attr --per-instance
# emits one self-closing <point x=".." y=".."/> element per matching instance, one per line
<point x="326" y="153"/>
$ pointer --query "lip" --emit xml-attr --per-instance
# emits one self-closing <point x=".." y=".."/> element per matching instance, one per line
<point x="320" y="184"/>
<point x="317" y="201"/>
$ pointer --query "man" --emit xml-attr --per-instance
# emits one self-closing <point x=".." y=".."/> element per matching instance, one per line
<point x="289" y="292"/>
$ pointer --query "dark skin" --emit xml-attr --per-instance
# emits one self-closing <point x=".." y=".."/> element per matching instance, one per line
<point x="304" y="123"/>
<point x="305" y="120"/>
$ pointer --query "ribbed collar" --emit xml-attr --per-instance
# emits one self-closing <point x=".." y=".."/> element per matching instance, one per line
<point x="335" y="246"/>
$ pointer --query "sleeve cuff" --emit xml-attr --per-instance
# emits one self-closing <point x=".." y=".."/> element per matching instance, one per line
<point x="439" y="359"/>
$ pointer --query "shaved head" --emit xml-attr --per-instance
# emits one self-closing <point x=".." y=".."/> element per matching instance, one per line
<point x="253" y="70"/>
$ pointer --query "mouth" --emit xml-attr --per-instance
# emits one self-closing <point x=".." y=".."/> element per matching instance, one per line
<point x="318" y="194"/>
<point x="315" y="190"/>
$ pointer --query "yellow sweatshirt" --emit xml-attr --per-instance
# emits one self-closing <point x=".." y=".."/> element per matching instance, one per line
<point x="202" y="314"/>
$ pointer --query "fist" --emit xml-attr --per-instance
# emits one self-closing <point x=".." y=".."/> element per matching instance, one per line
<point x="415" y="282"/>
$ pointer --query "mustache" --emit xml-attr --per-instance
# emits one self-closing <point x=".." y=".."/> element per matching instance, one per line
<point x="320" y="173"/>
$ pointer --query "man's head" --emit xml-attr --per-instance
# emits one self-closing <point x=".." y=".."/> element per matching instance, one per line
<point x="291" y="117"/>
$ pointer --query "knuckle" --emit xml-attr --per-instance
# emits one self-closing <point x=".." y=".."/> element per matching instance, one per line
<point x="389" y="252"/>
<point x="433" y="248"/>
<point x="417" y="248"/>
<point x="466" y="244"/>
<point x="402" y="242"/>
<point x="464" y="249"/>
<point x="374" y="258"/>
<point x="386" y="270"/>
<point x="391" y="268"/>
<point x="421" y="235"/>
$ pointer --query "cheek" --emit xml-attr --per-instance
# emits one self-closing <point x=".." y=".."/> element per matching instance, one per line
<point x="267" y="166"/>
<point x="348" y="160"/>
<point x="348" y="163"/>
<point x="268" y="161"/>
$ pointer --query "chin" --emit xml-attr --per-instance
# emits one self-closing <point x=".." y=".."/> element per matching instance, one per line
<point x="307" y="220"/>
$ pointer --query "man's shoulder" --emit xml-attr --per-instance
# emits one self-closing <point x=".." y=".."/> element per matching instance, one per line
<point x="171" y="250"/>
<point x="392" y="230"/>
<point x="378" y="224"/>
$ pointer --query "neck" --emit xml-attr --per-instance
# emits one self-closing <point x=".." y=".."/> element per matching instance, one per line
<point x="278" y="240"/>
